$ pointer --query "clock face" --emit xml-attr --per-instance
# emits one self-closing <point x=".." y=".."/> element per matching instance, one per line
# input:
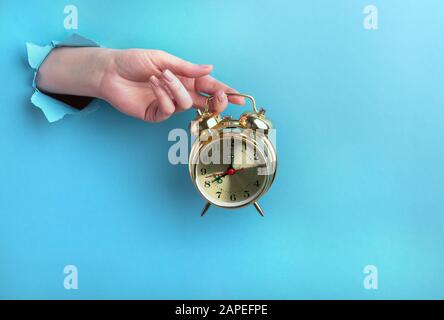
<point x="230" y="172"/>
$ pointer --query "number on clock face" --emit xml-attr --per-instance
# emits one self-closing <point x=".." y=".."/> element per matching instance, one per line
<point x="233" y="180"/>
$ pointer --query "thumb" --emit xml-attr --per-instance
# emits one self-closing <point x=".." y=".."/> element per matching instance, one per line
<point x="181" y="67"/>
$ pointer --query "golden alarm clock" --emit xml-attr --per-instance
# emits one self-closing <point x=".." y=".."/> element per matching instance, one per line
<point x="232" y="162"/>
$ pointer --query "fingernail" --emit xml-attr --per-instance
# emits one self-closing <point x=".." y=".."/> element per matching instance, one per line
<point x="206" y="66"/>
<point x="154" y="81"/>
<point x="221" y="96"/>
<point x="168" y="75"/>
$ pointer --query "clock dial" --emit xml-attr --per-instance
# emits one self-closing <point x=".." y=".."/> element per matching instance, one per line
<point x="235" y="177"/>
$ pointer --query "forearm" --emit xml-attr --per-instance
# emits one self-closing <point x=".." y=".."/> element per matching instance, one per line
<point x="146" y="84"/>
<point x="74" y="71"/>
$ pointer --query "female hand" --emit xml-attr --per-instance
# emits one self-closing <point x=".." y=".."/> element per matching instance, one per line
<point x="146" y="84"/>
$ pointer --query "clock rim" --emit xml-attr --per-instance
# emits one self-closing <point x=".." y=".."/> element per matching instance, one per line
<point x="198" y="145"/>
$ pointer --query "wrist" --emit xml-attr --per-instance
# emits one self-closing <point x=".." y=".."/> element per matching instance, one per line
<point x="75" y="71"/>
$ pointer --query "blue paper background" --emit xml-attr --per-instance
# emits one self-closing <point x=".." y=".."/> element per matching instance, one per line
<point x="359" y="117"/>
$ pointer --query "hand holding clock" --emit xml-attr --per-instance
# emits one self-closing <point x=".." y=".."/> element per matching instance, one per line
<point x="147" y="84"/>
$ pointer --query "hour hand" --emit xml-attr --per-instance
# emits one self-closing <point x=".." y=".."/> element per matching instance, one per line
<point x="215" y="174"/>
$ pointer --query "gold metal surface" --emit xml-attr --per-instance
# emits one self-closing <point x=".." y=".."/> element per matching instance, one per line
<point x="258" y="208"/>
<point x="205" y="209"/>
<point x="209" y="98"/>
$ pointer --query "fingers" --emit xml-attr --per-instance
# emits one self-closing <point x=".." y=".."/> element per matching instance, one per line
<point x="219" y="102"/>
<point x="209" y="85"/>
<point x="179" y="66"/>
<point x="171" y="97"/>
<point x="180" y="94"/>
<point x="164" y="107"/>
<point x="198" y="99"/>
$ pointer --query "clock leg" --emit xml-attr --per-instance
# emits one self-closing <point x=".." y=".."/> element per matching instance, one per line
<point x="207" y="206"/>
<point x="259" y="209"/>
